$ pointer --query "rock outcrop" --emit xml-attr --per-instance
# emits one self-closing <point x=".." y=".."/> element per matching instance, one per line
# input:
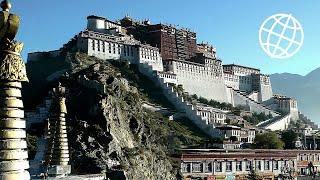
<point x="110" y="131"/>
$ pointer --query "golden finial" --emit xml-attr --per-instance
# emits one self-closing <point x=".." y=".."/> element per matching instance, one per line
<point x="6" y="5"/>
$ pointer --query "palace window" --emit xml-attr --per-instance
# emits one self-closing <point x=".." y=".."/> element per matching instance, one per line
<point x="229" y="166"/>
<point x="114" y="48"/>
<point x="196" y="167"/>
<point x="239" y="165"/>
<point x="248" y="165"/>
<point x="103" y="47"/>
<point x="109" y="47"/>
<point x="185" y="167"/>
<point x="218" y="166"/>
<point x="275" y="165"/>
<point x="93" y="44"/>
<point x="286" y="162"/>
<point x="266" y="165"/>
<point x="208" y="167"/>
<point x="98" y="45"/>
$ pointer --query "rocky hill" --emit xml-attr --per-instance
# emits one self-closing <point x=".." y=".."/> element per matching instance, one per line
<point x="303" y="88"/>
<point x="109" y="130"/>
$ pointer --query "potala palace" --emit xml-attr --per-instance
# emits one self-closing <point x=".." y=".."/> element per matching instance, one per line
<point x="170" y="57"/>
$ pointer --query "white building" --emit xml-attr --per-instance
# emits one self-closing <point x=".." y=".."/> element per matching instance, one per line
<point x="243" y="135"/>
<point x="287" y="105"/>
<point x="212" y="115"/>
<point x="200" y="78"/>
<point x="237" y="164"/>
<point x="247" y="79"/>
<point x="106" y="46"/>
<point x="307" y="131"/>
<point x="203" y="74"/>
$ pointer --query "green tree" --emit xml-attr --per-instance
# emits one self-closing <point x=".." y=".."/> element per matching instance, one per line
<point x="194" y="96"/>
<point x="268" y="140"/>
<point x="253" y="175"/>
<point x="257" y="118"/>
<point x="289" y="137"/>
<point x="298" y="124"/>
<point x="32" y="145"/>
<point x="233" y="138"/>
<point x="203" y="100"/>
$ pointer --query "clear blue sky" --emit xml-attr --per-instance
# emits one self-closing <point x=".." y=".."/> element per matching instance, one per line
<point x="231" y="26"/>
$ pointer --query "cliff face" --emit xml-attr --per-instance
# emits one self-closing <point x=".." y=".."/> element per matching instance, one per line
<point x="110" y="131"/>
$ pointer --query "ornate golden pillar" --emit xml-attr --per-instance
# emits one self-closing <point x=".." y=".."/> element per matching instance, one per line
<point x="57" y="157"/>
<point x="13" y="153"/>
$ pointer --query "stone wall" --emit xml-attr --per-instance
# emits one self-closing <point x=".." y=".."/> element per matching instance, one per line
<point x="265" y="92"/>
<point x="151" y="56"/>
<point x="199" y="79"/>
<point x="168" y="77"/>
<point x="37" y="56"/>
<point x="178" y="102"/>
<point x="240" y="99"/>
<point x="40" y="114"/>
<point x="36" y="163"/>
<point x="276" y="123"/>
<point x="204" y="86"/>
<point x="254" y="95"/>
<point x="231" y="80"/>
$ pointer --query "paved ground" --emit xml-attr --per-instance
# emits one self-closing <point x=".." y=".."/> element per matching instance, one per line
<point x="308" y="178"/>
<point x="77" y="177"/>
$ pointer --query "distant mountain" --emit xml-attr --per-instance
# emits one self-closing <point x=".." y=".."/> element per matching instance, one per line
<point x="306" y="89"/>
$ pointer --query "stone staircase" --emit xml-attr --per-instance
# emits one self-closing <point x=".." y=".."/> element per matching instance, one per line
<point x="178" y="101"/>
<point x="276" y="123"/>
<point x="36" y="164"/>
<point x="40" y="114"/>
<point x="244" y="100"/>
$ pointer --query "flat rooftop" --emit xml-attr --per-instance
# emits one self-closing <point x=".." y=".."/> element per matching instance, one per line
<point x="236" y="65"/>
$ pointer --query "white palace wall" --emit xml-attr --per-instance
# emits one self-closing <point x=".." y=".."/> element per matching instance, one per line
<point x="105" y="46"/>
<point x="178" y="102"/>
<point x="254" y="95"/>
<point x="150" y="55"/>
<point x="282" y="124"/>
<point x="276" y="123"/>
<point x="265" y="88"/>
<point x="265" y="92"/>
<point x="240" y="99"/>
<point x="111" y="50"/>
<point x="197" y="80"/>
<point x="205" y="86"/>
